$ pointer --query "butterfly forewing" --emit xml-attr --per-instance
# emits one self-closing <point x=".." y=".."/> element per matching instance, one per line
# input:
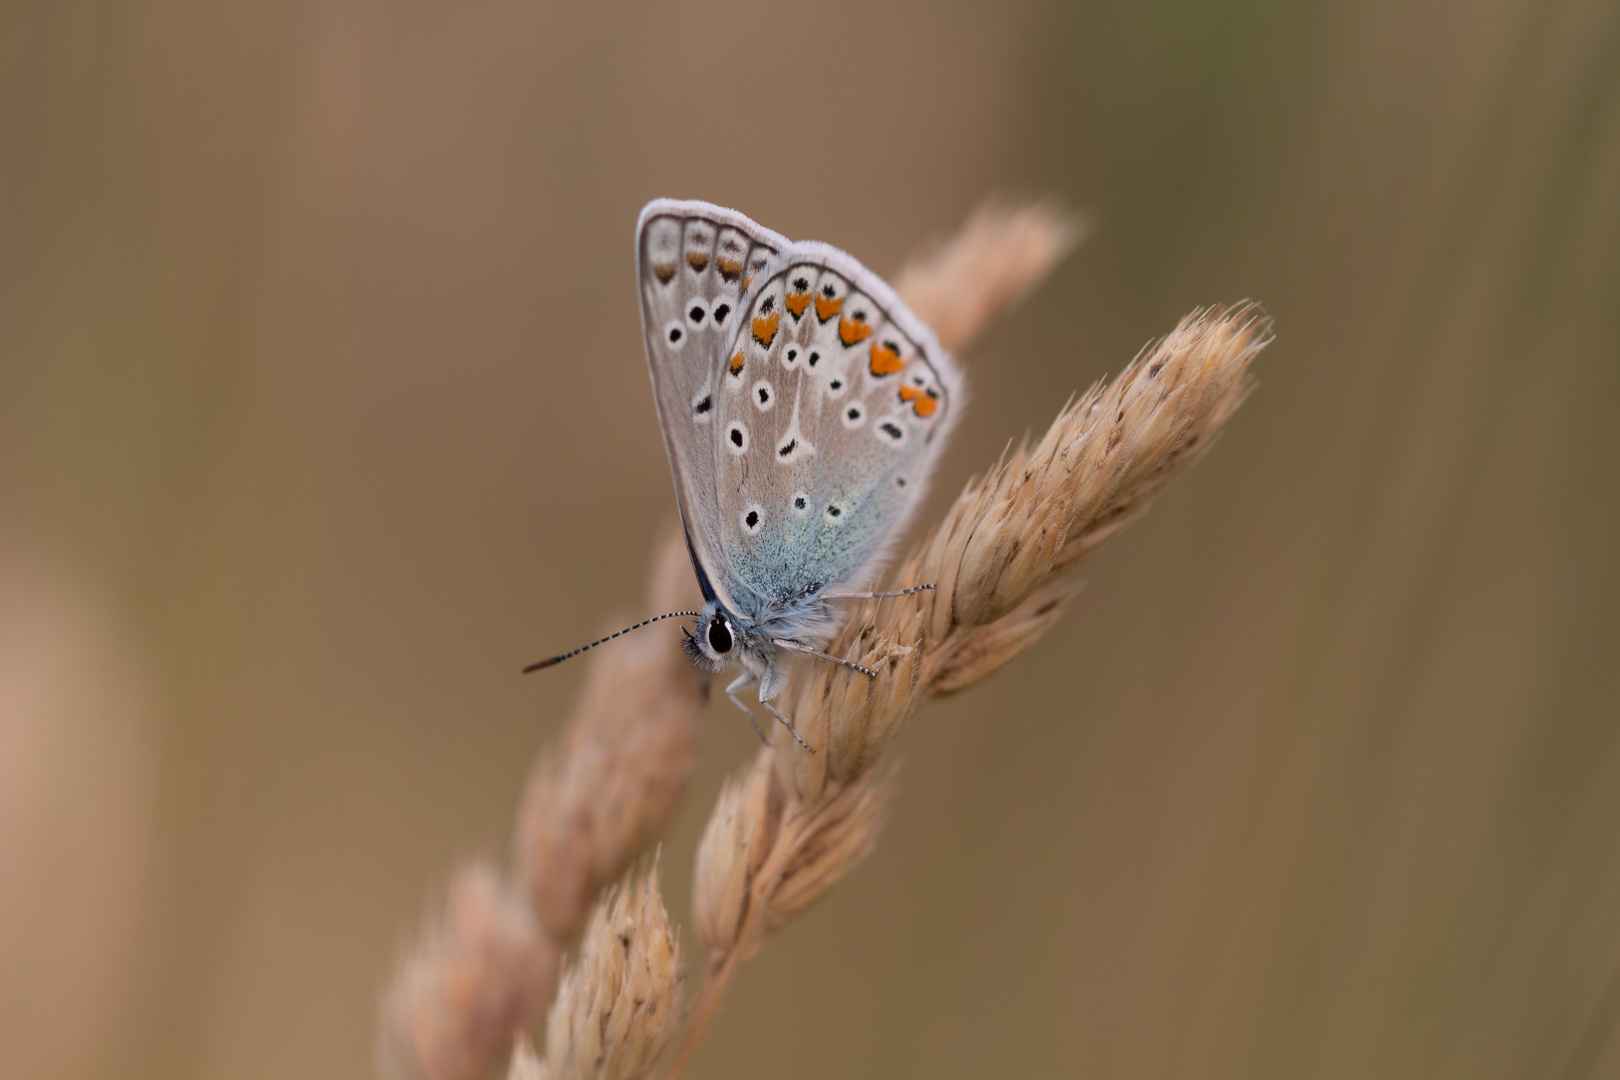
<point x="834" y="397"/>
<point x="694" y="261"/>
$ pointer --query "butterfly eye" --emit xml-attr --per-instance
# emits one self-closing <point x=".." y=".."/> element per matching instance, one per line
<point x="720" y="635"/>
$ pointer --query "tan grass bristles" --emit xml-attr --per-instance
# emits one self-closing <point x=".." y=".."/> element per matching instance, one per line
<point x="618" y="1006"/>
<point x="993" y="560"/>
<point x="594" y="805"/>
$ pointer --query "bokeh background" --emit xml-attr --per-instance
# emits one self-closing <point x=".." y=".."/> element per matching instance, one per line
<point x="322" y="409"/>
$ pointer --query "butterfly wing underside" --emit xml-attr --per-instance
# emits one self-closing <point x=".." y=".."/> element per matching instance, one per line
<point x="832" y="408"/>
<point x="694" y="265"/>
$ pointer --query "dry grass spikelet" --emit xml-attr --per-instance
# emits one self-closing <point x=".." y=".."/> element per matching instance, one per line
<point x="618" y="1005"/>
<point x="760" y="864"/>
<point x="740" y="833"/>
<point x="473" y="977"/>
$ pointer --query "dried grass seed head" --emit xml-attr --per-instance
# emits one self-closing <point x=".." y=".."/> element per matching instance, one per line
<point x="619" y="1004"/>
<point x="739" y="835"/>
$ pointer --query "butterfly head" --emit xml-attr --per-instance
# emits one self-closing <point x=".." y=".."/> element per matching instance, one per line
<point x="718" y="642"/>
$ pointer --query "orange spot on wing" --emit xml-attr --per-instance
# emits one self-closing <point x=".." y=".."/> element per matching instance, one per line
<point x="886" y="361"/>
<point x="849" y="332"/>
<point x="697" y="260"/>
<point x="765" y="328"/>
<point x="827" y="307"/>
<point x="736" y="364"/>
<point x="665" y="271"/>
<point x="729" y="269"/>
<point x="925" y="403"/>
<point x="797" y="302"/>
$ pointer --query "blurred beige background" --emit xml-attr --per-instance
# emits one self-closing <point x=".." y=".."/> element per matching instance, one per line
<point x="322" y="410"/>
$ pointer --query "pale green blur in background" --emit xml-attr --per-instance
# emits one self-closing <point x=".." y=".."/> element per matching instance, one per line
<point x="323" y="409"/>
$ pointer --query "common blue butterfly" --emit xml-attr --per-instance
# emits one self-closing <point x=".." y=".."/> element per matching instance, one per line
<point x="803" y="408"/>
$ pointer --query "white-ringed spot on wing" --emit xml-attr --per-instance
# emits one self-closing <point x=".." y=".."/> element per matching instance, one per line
<point x="736" y="438"/>
<point x="722" y="311"/>
<point x="854" y="416"/>
<point x="702" y="407"/>
<point x="889" y="430"/>
<point x="752" y="518"/>
<point x="800" y="504"/>
<point x="813" y="359"/>
<point x="790" y="355"/>
<point x="793" y="448"/>
<point x="834" y="511"/>
<point x="674" y="334"/>
<point x="837" y="385"/>
<point x="764" y="396"/>
<point x="696" y="312"/>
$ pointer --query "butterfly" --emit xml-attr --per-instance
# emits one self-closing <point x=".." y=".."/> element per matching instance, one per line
<point x="803" y="409"/>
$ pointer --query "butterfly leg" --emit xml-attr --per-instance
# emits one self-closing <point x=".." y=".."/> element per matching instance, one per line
<point x="786" y="723"/>
<point x="796" y="647"/>
<point x="739" y="683"/>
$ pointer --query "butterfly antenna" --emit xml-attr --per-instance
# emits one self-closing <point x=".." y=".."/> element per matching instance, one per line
<point x="538" y="664"/>
<point x="875" y="595"/>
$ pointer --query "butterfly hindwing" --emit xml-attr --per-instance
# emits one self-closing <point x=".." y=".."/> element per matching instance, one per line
<point x="694" y="264"/>
<point x="832" y="408"/>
